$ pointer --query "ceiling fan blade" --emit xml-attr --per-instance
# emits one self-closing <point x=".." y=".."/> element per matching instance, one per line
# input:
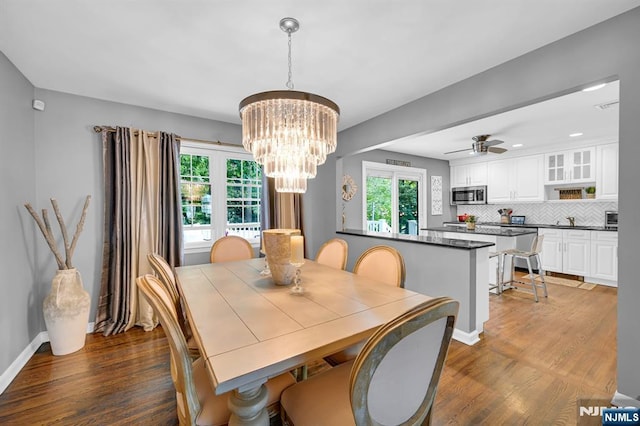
<point x="496" y="150"/>
<point x="460" y="150"/>
<point x="493" y="142"/>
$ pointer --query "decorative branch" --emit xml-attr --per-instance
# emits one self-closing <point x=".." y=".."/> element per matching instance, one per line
<point x="47" y="236"/>
<point x="63" y="228"/>
<point x="79" y="227"/>
<point x="45" y="228"/>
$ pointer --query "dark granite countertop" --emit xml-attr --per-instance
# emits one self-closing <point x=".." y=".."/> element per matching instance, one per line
<point x="484" y="230"/>
<point x="539" y="225"/>
<point x="433" y="240"/>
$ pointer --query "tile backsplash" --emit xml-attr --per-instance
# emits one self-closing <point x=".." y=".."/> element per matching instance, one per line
<point x="586" y="212"/>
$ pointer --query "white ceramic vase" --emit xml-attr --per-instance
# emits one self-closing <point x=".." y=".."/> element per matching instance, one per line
<point x="66" y="312"/>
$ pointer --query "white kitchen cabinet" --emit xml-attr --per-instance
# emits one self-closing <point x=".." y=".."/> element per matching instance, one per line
<point x="574" y="166"/>
<point x="473" y="174"/>
<point x="552" y="249"/>
<point x="604" y="257"/>
<point x="515" y="179"/>
<point x="566" y="251"/>
<point x="607" y="172"/>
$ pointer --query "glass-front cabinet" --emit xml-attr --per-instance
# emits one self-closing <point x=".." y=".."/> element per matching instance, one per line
<point x="570" y="166"/>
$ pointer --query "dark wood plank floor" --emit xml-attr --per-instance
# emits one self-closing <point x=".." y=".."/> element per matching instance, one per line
<point x="534" y="362"/>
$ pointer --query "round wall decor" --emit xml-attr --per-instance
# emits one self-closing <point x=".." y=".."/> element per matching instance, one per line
<point x="349" y="187"/>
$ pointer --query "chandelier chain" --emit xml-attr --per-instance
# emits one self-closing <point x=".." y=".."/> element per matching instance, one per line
<point x="290" y="80"/>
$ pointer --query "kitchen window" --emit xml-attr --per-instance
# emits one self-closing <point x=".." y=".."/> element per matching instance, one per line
<point x="394" y="198"/>
<point x="221" y="191"/>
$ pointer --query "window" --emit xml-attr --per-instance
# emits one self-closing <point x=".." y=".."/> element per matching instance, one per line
<point x="221" y="189"/>
<point x="394" y="198"/>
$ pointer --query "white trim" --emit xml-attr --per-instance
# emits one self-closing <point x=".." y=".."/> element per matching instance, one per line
<point x="469" y="339"/>
<point x="622" y="400"/>
<point x="16" y="366"/>
<point x="10" y="373"/>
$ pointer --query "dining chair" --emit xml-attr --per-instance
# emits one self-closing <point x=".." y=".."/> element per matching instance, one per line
<point x="197" y="402"/>
<point x="393" y="381"/>
<point x="381" y="263"/>
<point x="333" y="253"/>
<point x="230" y="248"/>
<point x="165" y="273"/>
<point x="533" y="253"/>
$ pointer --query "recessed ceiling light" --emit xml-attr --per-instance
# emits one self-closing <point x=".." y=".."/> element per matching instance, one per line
<point x="592" y="88"/>
<point x="575" y="135"/>
<point x="516" y="145"/>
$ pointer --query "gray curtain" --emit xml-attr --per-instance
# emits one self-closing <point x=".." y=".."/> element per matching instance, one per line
<point x="142" y="213"/>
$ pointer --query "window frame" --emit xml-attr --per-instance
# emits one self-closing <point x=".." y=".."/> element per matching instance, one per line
<point x="218" y="156"/>
<point x="396" y="173"/>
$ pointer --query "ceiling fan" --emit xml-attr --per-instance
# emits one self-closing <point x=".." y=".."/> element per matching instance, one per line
<point x="481" y="146"/>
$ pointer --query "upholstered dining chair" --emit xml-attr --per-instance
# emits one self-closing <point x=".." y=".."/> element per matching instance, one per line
<point x="393" y="381"/>
<point x="165" y="273"/>
<point x="381" y="263"/>
<point x="230" y="248"/>
<point x="197" y="403"/>
<point x="333" y="253"/>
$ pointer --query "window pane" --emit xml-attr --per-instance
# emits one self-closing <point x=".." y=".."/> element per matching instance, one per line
<point x="378" y="203"/>
<point x="408" y="206"/>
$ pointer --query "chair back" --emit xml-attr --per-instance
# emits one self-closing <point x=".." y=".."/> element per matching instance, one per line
<point x="395" y="377"/>
<point x="333" y="253"/>
<point x="230" y="248"/>
<point x="536" y="245"/>
<point x="164" y="271"/>
<point x="381" y="263"/>
<point x="188" y="405"/>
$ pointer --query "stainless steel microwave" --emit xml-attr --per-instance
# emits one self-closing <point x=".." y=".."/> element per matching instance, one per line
<point x="469" y="195"/>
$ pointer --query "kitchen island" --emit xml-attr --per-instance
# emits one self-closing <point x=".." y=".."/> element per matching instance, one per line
<point x="438" y="266"/>
<point x="502" y="238"/>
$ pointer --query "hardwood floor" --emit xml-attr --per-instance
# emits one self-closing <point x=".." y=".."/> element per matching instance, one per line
<point x="535" y="360"/>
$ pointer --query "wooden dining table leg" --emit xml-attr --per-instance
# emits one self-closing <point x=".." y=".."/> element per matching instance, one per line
<point x="247" y="406"/>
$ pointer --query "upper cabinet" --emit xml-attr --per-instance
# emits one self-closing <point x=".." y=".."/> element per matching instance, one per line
<point x="607" y="172"/>
<point x="515" y="179"/>
<point x="469" y="175"/>
<point x="574" y="166"/>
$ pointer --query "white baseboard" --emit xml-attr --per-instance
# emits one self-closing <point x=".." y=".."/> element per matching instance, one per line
<point x="622" y="400"/>
<point x="466" y="338"/>
<point x="10" y="373"/>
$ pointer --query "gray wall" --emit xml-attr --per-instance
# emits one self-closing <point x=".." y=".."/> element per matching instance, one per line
<point x="352" y="165"/>
<point x="20" y="305"/>
<point x="55" y="153"/>
<point x="603" y="52"/>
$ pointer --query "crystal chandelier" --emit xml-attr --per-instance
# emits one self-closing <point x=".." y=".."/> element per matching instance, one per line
<point x="289" y="132"/>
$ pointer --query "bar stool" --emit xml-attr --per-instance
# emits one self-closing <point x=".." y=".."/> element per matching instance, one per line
<point x="498" y="286"/>
<point x="536" y="249"/>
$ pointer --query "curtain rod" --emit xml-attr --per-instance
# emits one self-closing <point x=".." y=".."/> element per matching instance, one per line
<point x="99" y="129"/>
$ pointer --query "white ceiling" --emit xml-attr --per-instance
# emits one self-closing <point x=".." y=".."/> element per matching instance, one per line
<point x="202" y="57"/>
<point x="547" y="123"/>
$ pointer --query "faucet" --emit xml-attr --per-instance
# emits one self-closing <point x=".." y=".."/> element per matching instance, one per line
<point x="572" y="221"/>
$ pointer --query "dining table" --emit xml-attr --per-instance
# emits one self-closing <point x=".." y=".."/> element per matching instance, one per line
<point x="249" y="329"/>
